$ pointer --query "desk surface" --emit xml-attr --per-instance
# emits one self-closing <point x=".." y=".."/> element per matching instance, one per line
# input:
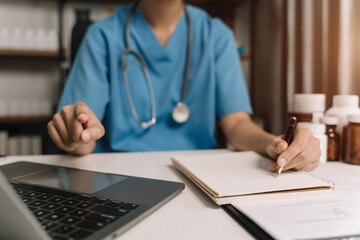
<point x="191" y="215"/>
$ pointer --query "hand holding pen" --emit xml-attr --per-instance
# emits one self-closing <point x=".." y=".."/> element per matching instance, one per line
<point x="288" y="138"/>
<point x="303" y="153"/>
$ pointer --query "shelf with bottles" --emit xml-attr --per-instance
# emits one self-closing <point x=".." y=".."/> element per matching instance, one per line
<point x="28" y="42"/>
<point x="20" y="144"/>
<point x="25" y="111"/>
<point x="20" y="132"/>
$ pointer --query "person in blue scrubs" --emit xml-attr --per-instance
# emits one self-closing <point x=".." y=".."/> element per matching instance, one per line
<point x="94" y="114"/>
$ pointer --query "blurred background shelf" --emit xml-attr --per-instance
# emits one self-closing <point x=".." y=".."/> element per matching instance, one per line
<point x="245" y="57"/>
<point x="42" y="119"/>
<point x="28" y="53"/>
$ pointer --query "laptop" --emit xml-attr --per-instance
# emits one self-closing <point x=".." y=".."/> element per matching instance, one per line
<point x="41" y="201"/>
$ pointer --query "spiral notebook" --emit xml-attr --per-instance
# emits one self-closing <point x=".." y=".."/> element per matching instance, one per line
<point x="244" y="176"/>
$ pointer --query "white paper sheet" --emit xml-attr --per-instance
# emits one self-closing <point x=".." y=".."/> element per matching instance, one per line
<point x="329" y="217"/>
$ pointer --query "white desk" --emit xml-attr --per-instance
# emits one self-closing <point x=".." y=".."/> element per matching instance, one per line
<point x="191" y="215"/>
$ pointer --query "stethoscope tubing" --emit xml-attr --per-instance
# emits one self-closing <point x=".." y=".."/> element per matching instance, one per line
<point x="188" y="57"/>
<point x="147" y="124"/>
<point x="128" y="51"/>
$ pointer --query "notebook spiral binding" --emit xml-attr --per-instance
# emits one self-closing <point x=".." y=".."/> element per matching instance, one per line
<point x="317" y="177"/>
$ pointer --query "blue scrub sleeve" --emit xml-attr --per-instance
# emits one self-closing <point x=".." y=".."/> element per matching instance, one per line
<point x="231" y="90"/>
<point x="88" y="81"/>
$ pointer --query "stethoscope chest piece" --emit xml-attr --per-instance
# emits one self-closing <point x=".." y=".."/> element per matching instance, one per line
<point x="181" y="112"/>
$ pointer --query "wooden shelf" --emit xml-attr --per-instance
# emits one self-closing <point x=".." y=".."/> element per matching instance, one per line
<point x="42" y="119"/>
<point x="28" y="53"/>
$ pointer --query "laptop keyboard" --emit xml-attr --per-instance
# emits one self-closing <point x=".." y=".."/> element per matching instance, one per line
<point x="67" y="215"/>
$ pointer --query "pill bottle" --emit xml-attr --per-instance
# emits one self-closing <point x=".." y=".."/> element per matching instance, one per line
<point x="350" y="147"/>
<point x="17" y="40"/>
<point x="305" y="105"/>
<point x="318" y="130"/>
<point x="4" y="38"/>
<point x="29" y="39"/>
<point x="317" y="116"/>
<point x="333" y="138"/>
<point x="342" y="106"/>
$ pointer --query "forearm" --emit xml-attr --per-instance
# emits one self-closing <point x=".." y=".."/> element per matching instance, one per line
<point x="248" y="136"/>
<point x="84" y="149"/>
<point x="303" y="154"/>
<point x="244" y="134"/>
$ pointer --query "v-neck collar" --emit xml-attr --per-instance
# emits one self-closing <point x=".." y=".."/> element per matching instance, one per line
<point x="142" y="27"/>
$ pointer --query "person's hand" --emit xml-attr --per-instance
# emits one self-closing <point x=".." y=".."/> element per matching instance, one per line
<point x="75" y="126"/>
<point x="303" y="153"/>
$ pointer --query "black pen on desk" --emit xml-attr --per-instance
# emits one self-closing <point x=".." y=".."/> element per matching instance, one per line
<point x="288" y="137"/>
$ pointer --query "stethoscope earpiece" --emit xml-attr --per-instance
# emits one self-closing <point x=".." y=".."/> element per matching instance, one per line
<point x="146" y="125"/>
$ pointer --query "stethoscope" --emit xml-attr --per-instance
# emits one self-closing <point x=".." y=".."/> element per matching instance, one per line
<point x="181" y="111"/>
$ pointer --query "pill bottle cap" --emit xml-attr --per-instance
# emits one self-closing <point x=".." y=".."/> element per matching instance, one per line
<point x="354" y="118"/>
<point x="309" y="103"/>
<point x="316" y="117"/>
<point x="315" y="128"/>
<point x="346" y="100"/>
<point x="330" y="120"/>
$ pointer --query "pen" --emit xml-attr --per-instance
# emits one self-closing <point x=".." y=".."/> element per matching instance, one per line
<point x="288" y="137"/>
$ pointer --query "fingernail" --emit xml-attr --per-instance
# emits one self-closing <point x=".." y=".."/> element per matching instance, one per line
<point x="282" y="162"/>
<point x="280" y="147"/>
<point x="272" y="167"/>
<point x="86" y="136"/>
<point x="81" y="116"/>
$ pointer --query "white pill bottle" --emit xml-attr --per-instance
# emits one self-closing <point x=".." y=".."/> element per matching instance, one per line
<point x="342" y="106"/>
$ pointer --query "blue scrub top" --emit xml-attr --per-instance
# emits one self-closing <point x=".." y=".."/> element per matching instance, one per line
<point x="216" y="83"/>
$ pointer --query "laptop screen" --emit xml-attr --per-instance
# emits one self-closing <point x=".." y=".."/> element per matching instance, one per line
<point x="72" y="179"/>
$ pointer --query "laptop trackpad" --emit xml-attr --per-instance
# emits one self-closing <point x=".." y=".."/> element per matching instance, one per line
<point x="70" y="179"/>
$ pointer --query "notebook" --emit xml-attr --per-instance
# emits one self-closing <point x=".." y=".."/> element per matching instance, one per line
<point x="244" y="176"/>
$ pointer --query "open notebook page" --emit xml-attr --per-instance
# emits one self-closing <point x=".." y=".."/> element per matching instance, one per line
<point x="243" y="173"/>
<point x="334" y="216"/>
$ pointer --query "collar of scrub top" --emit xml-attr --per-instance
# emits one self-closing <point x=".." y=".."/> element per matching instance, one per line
<point x="180" y="112"/>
